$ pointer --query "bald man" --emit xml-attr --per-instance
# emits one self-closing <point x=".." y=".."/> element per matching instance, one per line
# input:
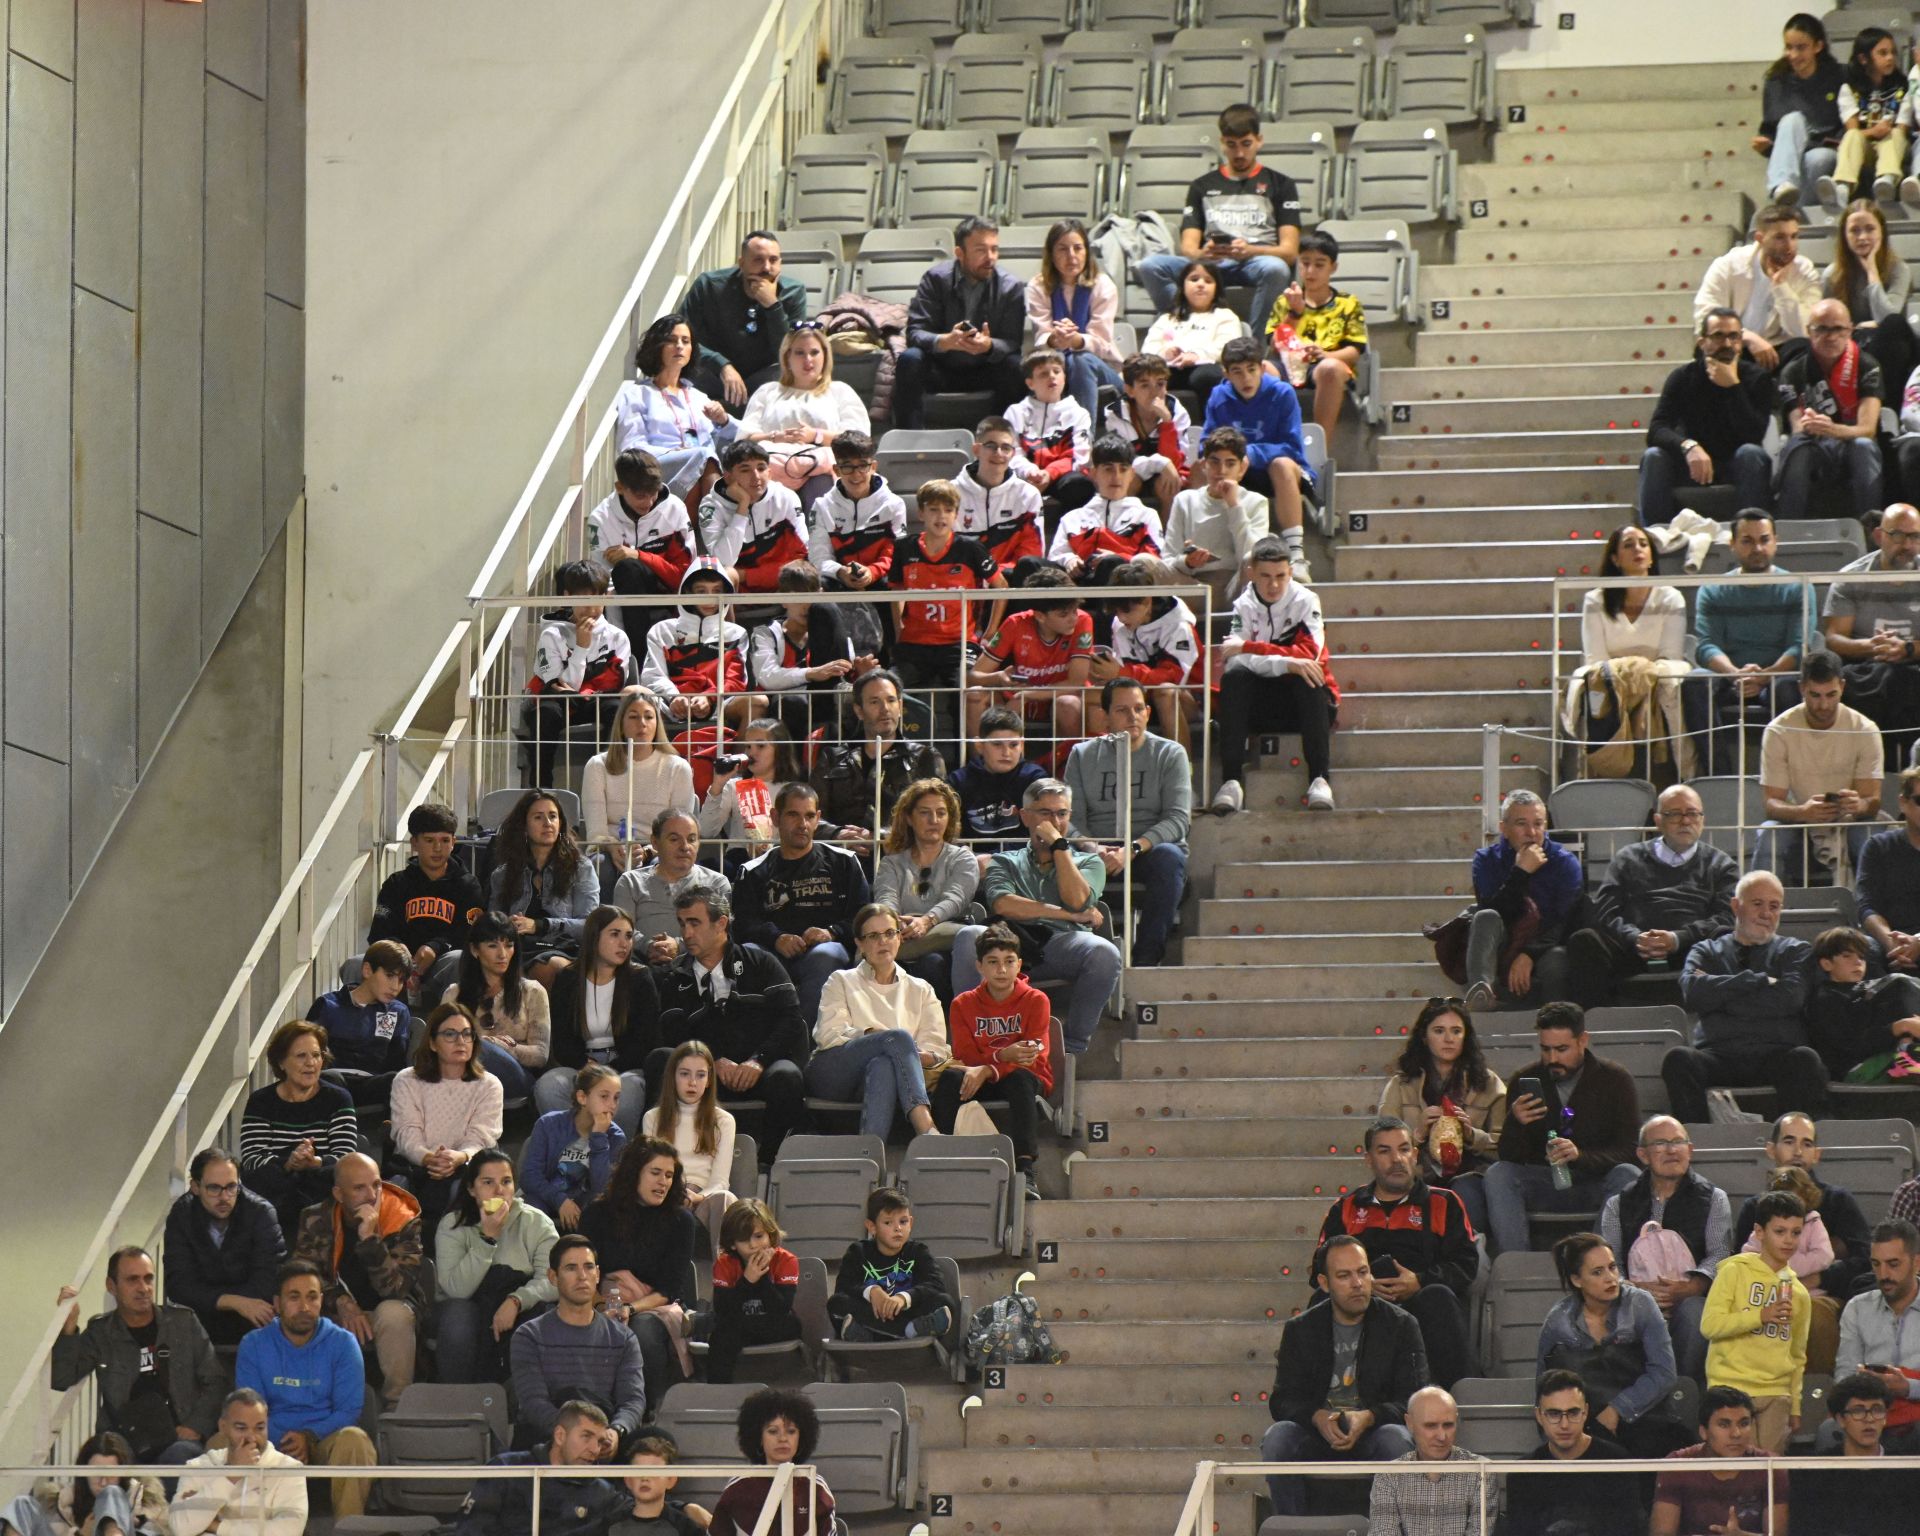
<point x="368" y="1243"/>
<point x="1439" y="1501"/>
<point x="1831" y="396"/>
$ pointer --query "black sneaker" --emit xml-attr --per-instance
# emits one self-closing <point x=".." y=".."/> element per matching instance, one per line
<point x="933" y="1326"/>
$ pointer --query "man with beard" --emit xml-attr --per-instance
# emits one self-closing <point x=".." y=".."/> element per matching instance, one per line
<point x="1871" y="626"/>
<point x="1571" y="1110"/>
<point x="1830" y="396"/>
<point x="1820" y="778"/>
<point x="1710" y="423"/>
<point x="1874" y="1338"/>
<point x="1749" y="634"/>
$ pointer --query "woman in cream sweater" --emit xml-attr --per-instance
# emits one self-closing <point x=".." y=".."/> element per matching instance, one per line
<point x="1454" y="1104"/>
<point x="879" y="1032"/>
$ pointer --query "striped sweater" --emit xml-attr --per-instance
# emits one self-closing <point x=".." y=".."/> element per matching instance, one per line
<point x="272" y="1127"/>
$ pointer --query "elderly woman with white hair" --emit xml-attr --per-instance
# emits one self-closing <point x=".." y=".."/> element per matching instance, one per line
<point x="1525" y="888"/>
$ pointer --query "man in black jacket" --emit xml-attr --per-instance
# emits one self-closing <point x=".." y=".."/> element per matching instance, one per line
<point x="736" y="998"/>
<point x="224" y="1249"/>
<point x="963" y="327"/>
<point x="799" y="897"/>
<point x="1419" y="1245"/>
<point x="1794" y="1142"/>
<point x="844" y="774"/>
<point x="1709" y="424"/>
<point x="1347" y="1366"/>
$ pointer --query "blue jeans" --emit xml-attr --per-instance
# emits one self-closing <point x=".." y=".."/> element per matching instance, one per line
<point x="1663" y="471"/>
<point x="1513" y="1189"/>
<point x="1163" y="881"/>
<point x="1287" y="1441"/>
<point x="1267" y="276"/>
<point x="810" y="970"/>
<point x="464" y="1346"/>
<point x="1781" y="849"/>
<point x="1689" y="1344"/>
<point x="516" y="1086"/>
<point x="1085" y="374"/>
<point x="881" y="1069"/>
<point x="1086" y="961"/>
<point x="553" y="1089"/>
<point x="1791" y="161"/>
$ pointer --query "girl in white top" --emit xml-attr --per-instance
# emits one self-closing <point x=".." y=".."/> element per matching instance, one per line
<point x="879" y="1033"/>
<point x="634" y="780"/>
<point x="796" y="419"/>
<point x="1645" y="624"/>
<point x="689" y="1115"/>
<point x="673" y="421"/>
<point x="772" y="762"/>
<point x="1191" y="335"/>
<point x="1071" y="306"/>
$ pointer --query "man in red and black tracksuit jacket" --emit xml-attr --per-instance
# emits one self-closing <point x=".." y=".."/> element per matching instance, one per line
<point x="1419" y="1242"/>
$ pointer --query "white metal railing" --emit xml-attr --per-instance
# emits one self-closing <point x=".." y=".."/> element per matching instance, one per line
<point x="320" y="918"/>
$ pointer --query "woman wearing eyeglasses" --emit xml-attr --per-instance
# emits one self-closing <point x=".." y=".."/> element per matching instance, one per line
<point x="797" y="418"/>
<point x="446" y="1107"/>
<point x="928" y="876"/>
<point x="880" y="1032"/>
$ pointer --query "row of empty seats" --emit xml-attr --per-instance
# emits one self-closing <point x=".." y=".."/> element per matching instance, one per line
<point x="1112" y="81"/>
<point x="941" y="20"/>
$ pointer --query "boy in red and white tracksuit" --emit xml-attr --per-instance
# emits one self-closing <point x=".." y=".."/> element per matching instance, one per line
<point x="1277" y="671"/>
<point x="1113" y="526"/>
<point x="641" y="533"/>
<point x="751" y="524"/>
<point x="1000" y="1031"/>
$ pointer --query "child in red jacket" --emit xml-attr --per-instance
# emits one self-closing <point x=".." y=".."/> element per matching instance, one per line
<point x="1000" y="1033"/>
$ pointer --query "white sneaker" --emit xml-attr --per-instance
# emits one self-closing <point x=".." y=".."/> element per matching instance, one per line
<point x="1829" y="193"/>
<point x="1229" y="799"/>
<point x="1885" y="189"/>
<point x="1910" y="193"/>
<point x="1319" y="796"/>
<point x="1787" y="194"/>
<point x="1302" y="571"/>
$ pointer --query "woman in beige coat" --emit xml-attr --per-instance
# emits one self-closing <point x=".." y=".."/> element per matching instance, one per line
<point x="1455" y="1105"/>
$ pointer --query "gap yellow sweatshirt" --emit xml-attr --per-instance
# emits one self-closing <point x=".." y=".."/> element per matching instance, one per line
<point x="1761" y="1359"/>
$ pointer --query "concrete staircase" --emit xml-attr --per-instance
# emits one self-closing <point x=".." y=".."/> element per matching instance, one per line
<point x="1229" y="1116"/>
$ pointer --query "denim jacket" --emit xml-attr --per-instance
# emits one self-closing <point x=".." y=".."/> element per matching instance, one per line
<point x="1634" y="1320"/>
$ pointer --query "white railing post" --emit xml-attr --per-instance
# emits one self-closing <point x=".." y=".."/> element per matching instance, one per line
<point x="1490" y="781"/>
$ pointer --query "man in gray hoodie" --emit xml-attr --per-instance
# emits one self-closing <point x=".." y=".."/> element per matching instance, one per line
<point x="1162" y="807"/>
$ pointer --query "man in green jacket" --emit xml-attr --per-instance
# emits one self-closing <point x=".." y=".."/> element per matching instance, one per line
<point x="740" y="315"/>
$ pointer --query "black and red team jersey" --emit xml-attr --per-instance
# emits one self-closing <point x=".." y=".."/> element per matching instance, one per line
<point x="964" y="563"/>
<point x="1030" y="657"/>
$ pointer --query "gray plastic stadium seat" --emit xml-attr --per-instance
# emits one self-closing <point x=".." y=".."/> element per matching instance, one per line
<point x="440" y="1425"/>
<point x="1381" y="15"/>
<point x="965" y="1202"/>
<point x="1477" y="13"/>
<point x="834" y="181"/>
<point x="1048" y="18"/>
<point x="495" y="805"/>
<point x="1500" y="1431"/>
<point x="1023" y="247"/>
<point x="867" y="1443"/>
<point x="1720" y="797"/>
<point x="812" y="257"/>
<point x="908" y="459"/>
<point x="1323" y="508"/>
<point x="991" y="82"/>
<point x="1307" y="152"/>
<point x="1101" y="81"/>
<point x="1847" y="23"/>
<point x="1437" y="72"/>
<point x="1639" y="1017"/>
<point x="1159" y="17"/>
<point x="1492" y="1391"/>
<point x="821" y="1202"/>
<point x="891" y="262"/>
<point x="1817" y="545"/>
<point x="1056" y="173"/>
<point x="1314" y="1525"/>
<point x="1402" y="170"/>
<point x="1523" y="1289"/>
<point x="943" y="176"/>
<point x="1265" y="16"/>
<point x="1205" y="66"/>
<point x="888" y="1357"/>
<point x="1159" y="165"/>
<point x="1811" y="910"/>
<point x="1378" y="266"/>
<point x="883" y="85"/>
<point x="1611" y="813"/>
<point x="701" y="1419"/>
<point x="938" y="20"/>
<point x="1326" y="75"/>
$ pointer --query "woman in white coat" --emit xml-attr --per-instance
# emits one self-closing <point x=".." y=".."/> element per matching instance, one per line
<point x="797" y="419"/>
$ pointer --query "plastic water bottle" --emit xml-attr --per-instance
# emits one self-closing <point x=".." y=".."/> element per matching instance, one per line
<point x="1562" y="1172"/>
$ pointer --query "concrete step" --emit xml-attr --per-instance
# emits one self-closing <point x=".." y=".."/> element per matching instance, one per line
<point x="1186" y="1340"/>
<point x="1462" y="672"/>
<point x="1513" y="705"/>
<point x="1267" y="834"/>
<point x="1219" y="1139"/>
<point x="1490" y="525"/>
<point x="1377" y="877"/>
<point x="1321" y="950"/>
<point x="1210" y="981"/>
<point x="1325" y="1178"/>
<point x="1678" y="208"/>
<point x="1480" y="242"/>
<point x="1168" y="1386"/>
<point x="1519" y="312"/>
<point x="1520" y="380"/>
<point x="1649" y="83"/>
<point x="1120" y="1219"/>
<point x="1204" y="1430"/>
<point x="1384" y="788"/>
<point x="1660" y="272"/>
<point x="1512" y="450"/>
<point x="1406" y="748"/>
<point x="1144" y="1100"/>
<point x="1378" y="491"/>
<point x="1314" y="1056"/>
<point x="1417" y="562"/>
<point x="1420" y="421"/>
<point x="1112" y="1514"/>
<point x="1433" y="599"/>
<point x="1490" y="181"/>
<point x="1232" y="916"/>
<point x="1498" y="349"/>
<point x="1615" y="146"/>
<point x="1233" y="1298"/>
<point x="1369" y="1020"/>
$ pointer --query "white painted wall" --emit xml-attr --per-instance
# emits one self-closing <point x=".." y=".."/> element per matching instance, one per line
<point x="1648" y="32"/>
<point x="480" y="179"/>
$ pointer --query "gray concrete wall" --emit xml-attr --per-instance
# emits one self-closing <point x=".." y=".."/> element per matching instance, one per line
<point x="152" y="332"/>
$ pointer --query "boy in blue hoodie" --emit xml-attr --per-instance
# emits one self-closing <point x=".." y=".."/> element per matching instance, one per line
<point x="314" y="1379"/>
<point x="1266" y="411"/>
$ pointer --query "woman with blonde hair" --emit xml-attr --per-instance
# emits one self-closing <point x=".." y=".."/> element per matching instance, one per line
<point x="797" y="417"/>
<point x="929" y="877"/>
<point x="638" y="776"/>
